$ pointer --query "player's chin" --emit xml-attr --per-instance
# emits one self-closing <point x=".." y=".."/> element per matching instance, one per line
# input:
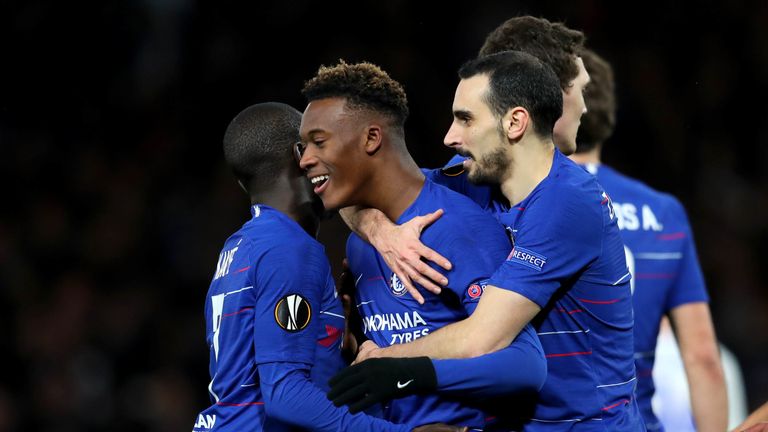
<point x="330" y="204"/>
<point x="478" y="176"/>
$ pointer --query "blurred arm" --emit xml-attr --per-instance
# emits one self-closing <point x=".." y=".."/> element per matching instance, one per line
<point x="695" y="335"/>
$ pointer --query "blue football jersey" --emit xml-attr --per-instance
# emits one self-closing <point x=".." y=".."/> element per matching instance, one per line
<point x="666" y="271"/>
<point x="476" y="244"/>
<point x="568" y="257"/>
<point x="272" y="302"/>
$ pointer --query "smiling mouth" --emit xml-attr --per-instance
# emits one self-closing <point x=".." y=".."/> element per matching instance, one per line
<point x="319" y="182"/>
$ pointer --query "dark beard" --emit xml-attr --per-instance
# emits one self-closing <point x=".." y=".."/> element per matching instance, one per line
<point x="490" y="168"/>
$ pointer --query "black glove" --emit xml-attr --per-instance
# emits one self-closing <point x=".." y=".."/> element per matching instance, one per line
<point x="381" y="379"/>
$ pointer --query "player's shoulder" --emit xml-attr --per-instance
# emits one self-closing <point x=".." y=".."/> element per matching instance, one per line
<point x="624" y="188"/>
<point x="569" y="197"/>
<point x="620" y="183"/>
<point x="567" y="186"/>
<point x="457" y="206"/>
<point x="462" y="217"/>
<point x="569" y="179"/>
<point x="270" y="230"/>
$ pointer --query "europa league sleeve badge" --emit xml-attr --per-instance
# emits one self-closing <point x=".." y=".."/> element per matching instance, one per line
<point x="293" y="313"/>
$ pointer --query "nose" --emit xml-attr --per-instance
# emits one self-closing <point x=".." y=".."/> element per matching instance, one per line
<point x="452" y="137"/>
<point x="308" y="159"/>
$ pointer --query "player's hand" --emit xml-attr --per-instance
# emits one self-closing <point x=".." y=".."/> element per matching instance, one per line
<point x="380" y="380"/>
<point x="440" y="427"/>
<point x="406" y="255"/>
<point x="367" y="350"/>
<point x="760" y="427"/>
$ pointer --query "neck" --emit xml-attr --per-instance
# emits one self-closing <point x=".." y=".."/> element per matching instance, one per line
<point x="531" y="164"/>
<point x="289" y="197"/>
<point x="588" y="157"/>
<point x="395" y="184"/>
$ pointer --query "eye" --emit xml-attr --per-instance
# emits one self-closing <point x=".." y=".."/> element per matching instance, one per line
<point x="315" y="141"/>
<point x="464" y="119"/>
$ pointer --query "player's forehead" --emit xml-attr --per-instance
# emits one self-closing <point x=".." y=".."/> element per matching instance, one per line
<point x="471" y="94"/>
<point x="322" y="116"/>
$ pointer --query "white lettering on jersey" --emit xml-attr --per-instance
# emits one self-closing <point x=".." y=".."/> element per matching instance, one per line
<point x="609" y="202"/>
<point x="649" y="220"/>
<point x="630" y="257"/>
<point x="392" y="321"/>
<point x="217" y="307"/>
<point x="225" y="261"/>
<point x="217" y="311"/>
<point x="630" y="221"/>
<point x="398" y="338"/>
<point x="206" y="422"/>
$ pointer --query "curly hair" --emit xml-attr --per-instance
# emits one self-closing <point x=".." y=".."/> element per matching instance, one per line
<point x="364" y="86"/>
<point x="553" y="43"/>
<point x="598" y="123"/>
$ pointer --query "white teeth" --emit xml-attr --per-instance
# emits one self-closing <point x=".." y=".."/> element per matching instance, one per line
<point x="319" y="179"/>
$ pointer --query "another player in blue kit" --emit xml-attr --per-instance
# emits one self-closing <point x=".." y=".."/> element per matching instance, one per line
<point x="273" y="322"/>
<point x="355" y="154"/>
<point x="667" y="277"/>
<point x="567" y="273"/>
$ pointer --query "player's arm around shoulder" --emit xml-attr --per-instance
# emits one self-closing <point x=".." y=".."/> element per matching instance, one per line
<point x="400" y="246"/>
<point x="499" y="318"/>
<point x="499" y="315"/>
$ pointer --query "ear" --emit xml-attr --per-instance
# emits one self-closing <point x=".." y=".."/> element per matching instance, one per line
<point x="516" y="122"/>
<point x="373" y="137"/>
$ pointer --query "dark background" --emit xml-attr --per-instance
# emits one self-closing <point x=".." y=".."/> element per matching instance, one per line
<point x="116" y="199"/>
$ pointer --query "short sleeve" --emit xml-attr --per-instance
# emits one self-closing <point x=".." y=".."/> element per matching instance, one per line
<point x="689" y="286"/>
<point x="556" y="237"/>
<point x="453" y="176"/>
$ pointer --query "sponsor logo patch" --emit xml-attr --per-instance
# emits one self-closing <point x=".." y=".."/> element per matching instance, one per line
<point x="453" y="170"/>
<point x="396" y="285"/>
<point x="527" y="258"/>
<point x="474" y="291"/>
<point x="292" y="313"/>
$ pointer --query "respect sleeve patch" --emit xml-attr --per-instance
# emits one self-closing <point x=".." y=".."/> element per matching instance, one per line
<point x="527" y="258"/>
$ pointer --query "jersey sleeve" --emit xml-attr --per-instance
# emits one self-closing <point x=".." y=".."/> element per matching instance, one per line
<point x="520" y="367"/>
<point x="454" y="177"/>
<point x="689" y="286"/>
<point x="291" y="397"/>
<point x="289" y="278"/>
<point x="476" y="244"/>
<point x="557" y="236"/>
